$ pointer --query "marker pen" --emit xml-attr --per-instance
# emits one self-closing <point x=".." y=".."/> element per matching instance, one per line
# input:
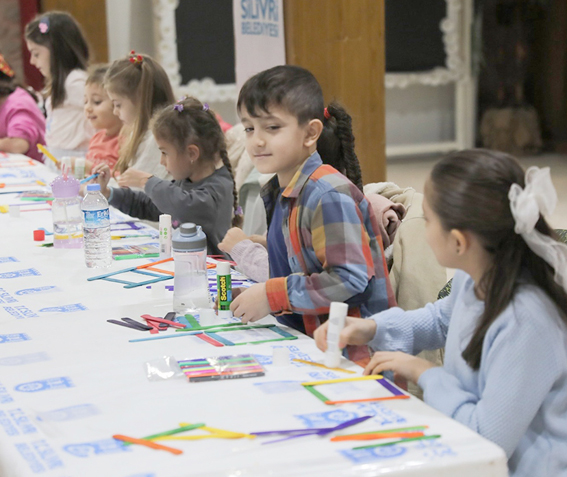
<point x="224" y="289"/>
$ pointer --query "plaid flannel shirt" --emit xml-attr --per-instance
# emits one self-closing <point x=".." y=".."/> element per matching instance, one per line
<point x="334" y="249"/>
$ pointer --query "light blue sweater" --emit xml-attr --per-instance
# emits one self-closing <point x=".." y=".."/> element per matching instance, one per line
<point x="518" y="397"/>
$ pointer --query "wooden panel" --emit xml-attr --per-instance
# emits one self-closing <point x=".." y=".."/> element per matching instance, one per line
<point x="342" y="43"/>
<point x="91" y="15"/>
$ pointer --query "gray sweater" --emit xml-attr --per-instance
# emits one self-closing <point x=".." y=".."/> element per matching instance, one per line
<point x="208" y="203"/>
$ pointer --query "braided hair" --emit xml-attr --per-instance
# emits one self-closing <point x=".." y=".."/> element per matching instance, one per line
<point x="191" y="122"/>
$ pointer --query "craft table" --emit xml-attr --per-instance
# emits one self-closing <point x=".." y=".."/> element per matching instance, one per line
<point x="69" y="381"/>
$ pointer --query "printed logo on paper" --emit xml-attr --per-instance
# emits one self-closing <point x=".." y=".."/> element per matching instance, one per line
<point x="45" y="385"/>
<point x="71" y="413"/>
<point x="90" y="449"/>
<point x="20" y="312"/>
<point x="328" y="418"/>
<point x="64" y="308"/>
<point x="28" y="272"/>
<point x="8" y="259"/>
<point x="39" y="456"/>
<point x="361" y="456"/>
<point x="45" y="289"/>
<point x="15" y="422"/>
<point x="14" y="338"/>
<point x="24" y="359"/>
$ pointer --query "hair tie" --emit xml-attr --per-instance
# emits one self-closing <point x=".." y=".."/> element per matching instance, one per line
<point x="134" y="59"/>
<point x="238" y="211"/>
<point x="178" y="107"/>
<point x="205" y="107"/>
<point x="326" y="113"/>
<point x="537" y="198"/>
<point x="5" y="68"/>
<point x="43" y="25"/>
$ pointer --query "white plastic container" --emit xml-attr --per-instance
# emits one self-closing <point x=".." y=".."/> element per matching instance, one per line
<point x="337" y="318"/>
<point x="190" y="283"/>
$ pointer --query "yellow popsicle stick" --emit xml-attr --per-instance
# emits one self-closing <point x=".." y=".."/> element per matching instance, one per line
<point x="218" y="433"/>
<point x="344" y="380"/>
<point x="41" y="148"/>
<point x="313" y="363"/>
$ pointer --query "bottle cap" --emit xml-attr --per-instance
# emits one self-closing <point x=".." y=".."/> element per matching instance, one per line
<point x="91" y="187"/>
<point x="223" y="268"/>
<point x="189" y="238"/>
<point x="39" y="235"/>
<point x="65" y="187"/>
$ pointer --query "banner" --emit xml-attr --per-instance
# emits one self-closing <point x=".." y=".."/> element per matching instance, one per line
<point x="258" y="37"/>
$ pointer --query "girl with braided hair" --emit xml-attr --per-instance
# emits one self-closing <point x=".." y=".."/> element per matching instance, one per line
<point x="202" y="191"/>
<point x="322" y="239"/>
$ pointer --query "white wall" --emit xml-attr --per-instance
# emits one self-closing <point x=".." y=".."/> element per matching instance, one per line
<point x="420" y="114"/>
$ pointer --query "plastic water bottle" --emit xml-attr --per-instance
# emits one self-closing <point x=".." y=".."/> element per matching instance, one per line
<point x="96" y="228"/>
<point x="66" y="211"/>
<point x="190" y="283"/>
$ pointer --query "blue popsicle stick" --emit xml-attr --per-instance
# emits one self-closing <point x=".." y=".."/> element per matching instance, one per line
<point x="87" y="179"/>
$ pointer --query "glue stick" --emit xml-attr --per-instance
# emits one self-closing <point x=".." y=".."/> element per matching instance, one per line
<point x="224" y="288"/>
<point x="79" y="168"/>
<point x="337" y="317"/>
<point x="164" y="236"/>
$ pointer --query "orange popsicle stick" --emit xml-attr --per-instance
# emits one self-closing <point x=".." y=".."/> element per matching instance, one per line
<point x="370" y="437"/>
<point x="143" y="442"/>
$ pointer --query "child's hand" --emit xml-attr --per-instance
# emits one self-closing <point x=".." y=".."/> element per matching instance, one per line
<point x="133" y="178"/>
<point x="235" y="293"/>
<point x="357" y="331"/>
<point x="261" y="239"/>
<point x="232" y="237"/>
<point x="252" y="304"/>
<point x="402" y="364"/>
<point x="104" y="176"/>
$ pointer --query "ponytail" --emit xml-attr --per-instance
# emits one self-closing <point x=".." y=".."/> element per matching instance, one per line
<point x="143" y="81"/>
<point x="336" y="144"/>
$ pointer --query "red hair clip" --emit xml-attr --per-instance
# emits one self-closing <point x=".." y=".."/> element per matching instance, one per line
<point x="135" y="58"/>
<point x="326" y="114"/>
<point x="5" y="68"/>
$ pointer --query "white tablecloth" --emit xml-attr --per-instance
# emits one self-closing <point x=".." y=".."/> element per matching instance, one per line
<point x="69" y="381"/>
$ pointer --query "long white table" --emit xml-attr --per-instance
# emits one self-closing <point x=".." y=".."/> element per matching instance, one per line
<point x="69" y="381"/>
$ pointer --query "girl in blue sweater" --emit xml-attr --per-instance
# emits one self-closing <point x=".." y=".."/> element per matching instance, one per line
<point x="504" y="325"/>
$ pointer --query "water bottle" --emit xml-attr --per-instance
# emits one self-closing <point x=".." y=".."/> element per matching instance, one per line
<point x="96" y="228"/>
<point x="190" y="283"/>
<point x="66" y="212"/>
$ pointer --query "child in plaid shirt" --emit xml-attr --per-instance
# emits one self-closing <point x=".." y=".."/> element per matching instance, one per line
<point x="323" y="240"/>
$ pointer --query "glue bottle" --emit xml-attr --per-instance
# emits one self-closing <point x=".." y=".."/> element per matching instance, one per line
<point x="224" y="289"/>
<point x="190" y="283"/>
<point x="337" y="317"/>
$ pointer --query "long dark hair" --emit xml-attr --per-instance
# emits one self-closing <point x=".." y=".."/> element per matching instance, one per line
<point x="67" y="46"/>
<point x="146" y="84"/>
<point x="188" y="122"/>
<point x="297" y="91"/>
<point x="469" y="191"/>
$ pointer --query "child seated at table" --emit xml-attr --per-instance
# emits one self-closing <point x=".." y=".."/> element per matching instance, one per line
<point x="323" y="241"/>
<point x="104" y="145"/>
<point x="22" y="125"/>
<point x="193" y="151"/>
<point x="503" y="325"/>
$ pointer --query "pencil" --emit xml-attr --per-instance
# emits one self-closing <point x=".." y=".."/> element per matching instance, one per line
<point x="42" y="148"/>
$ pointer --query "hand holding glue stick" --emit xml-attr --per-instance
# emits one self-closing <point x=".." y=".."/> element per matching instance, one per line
<point x="224" y="289"/>
<point x="337" y="317"/>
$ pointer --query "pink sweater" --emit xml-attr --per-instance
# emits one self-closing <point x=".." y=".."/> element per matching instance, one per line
<point x="20" y="117"/>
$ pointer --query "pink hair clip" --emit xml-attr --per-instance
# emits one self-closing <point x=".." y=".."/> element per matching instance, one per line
<point x="326" y="114"/>
<point x="178" y="107"/>
<point x="44" y="25"/>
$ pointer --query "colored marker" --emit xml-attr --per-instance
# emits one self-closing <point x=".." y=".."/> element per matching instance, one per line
<point x="90" y="178"/>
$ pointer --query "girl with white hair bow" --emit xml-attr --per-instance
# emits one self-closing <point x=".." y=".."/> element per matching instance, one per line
<point x="504" y="325"/>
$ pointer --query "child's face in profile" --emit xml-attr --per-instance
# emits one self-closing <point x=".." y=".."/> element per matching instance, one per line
<point x="123" y="107"/>
<point x="40" y="58"/>
<point x="275" y="142"/>
<point x="98" y="109"/>
<point x="178" y="165"/>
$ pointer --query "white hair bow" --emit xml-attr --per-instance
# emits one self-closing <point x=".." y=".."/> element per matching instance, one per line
<point x="538" y="197"/>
